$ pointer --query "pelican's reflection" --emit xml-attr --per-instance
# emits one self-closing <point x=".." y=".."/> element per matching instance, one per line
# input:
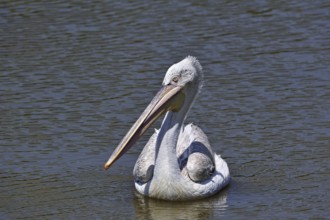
<point x="148" y="208"/>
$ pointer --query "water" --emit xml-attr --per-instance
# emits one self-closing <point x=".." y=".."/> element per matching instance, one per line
<point x="75" y="76"/>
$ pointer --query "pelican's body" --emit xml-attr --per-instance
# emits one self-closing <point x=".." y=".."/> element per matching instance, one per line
<point x="178" y="162"/>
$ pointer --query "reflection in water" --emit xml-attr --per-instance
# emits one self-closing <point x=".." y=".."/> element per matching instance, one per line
<point x="147" y="208"/>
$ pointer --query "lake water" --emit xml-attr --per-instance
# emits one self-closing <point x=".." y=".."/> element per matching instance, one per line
<point x="76" y="75"/>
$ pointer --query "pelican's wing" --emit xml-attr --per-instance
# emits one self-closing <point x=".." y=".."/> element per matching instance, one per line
<point x="144" y="166"/>
<point x="195" y="155"/>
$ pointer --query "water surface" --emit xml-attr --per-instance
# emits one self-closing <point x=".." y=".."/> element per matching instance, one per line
<point x="76" y="75"/>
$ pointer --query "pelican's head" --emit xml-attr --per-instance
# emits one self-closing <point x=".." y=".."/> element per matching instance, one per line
<point x="181" y="84"/>
<point x="187" y="72"/>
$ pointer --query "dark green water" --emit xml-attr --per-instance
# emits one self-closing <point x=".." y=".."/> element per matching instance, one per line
<point x="75" y="75"/>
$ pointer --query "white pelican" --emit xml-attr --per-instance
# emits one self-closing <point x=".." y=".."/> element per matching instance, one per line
<point x="178" y="162"/>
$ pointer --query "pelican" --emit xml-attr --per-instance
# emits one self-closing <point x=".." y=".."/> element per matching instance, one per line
<point x="177" y="162"/>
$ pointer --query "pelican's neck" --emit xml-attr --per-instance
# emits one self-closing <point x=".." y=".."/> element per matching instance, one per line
<point x="167" y="165"/>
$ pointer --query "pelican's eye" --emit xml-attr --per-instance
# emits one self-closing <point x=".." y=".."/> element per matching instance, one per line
<point x="175" y="79"/>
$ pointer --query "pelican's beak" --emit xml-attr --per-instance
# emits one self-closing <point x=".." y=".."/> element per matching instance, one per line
<point x="169" y="98"/>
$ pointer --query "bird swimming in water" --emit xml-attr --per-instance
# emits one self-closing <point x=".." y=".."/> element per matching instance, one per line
<point x="178" y="162"/>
